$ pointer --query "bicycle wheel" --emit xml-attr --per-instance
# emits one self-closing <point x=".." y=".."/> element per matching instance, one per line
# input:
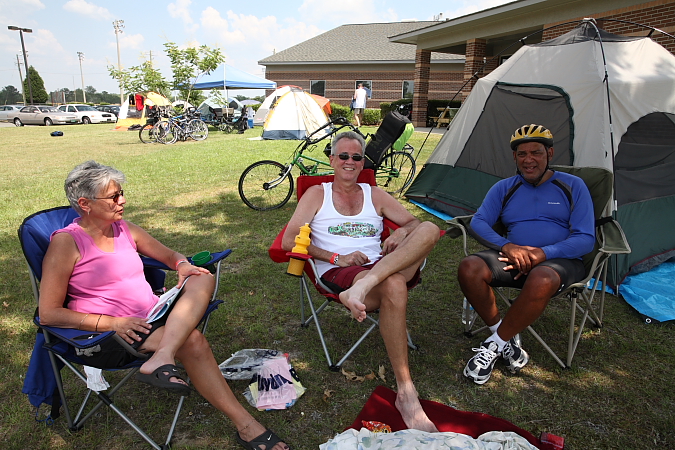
<point x="198" y="129"/>
<point x="395" y="172"/>
<point x="148" y="134"/>
<point x="263" y="185"/>
<point x="166" y="132"/>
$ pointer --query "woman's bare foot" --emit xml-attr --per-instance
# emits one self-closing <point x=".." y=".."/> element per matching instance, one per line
<point x="413" y="415"/>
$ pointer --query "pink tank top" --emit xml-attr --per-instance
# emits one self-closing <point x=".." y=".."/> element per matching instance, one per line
<point x="108" y="283"/>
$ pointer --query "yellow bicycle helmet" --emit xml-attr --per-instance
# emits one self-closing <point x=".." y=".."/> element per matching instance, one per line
<point x="531" y="133"/>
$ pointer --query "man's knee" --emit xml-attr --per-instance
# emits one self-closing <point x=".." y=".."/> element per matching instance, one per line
<point x="395" y="290"/>
<point x="543" y="279"/>
<point x="430" y="231"/>
<point x="473" y="269"/>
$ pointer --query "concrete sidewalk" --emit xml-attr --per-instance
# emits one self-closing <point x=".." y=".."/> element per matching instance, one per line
<point x="425" y="130"/>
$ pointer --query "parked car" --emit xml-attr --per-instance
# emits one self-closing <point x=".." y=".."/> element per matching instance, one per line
<point x="109" y="108"/>
<point x="7" y="112"/>
<point x="42" y="115"/>
<point x="89" y="114"/>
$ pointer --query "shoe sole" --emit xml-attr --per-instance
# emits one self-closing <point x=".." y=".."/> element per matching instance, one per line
<point x="476" y="380"/>
<point x="516" y="366"/>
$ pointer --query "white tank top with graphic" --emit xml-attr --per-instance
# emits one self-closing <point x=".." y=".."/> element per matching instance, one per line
<point x="341" y="234"/>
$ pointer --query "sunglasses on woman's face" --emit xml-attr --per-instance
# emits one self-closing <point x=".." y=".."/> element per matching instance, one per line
<point x="115" y="197"/>
<point x="345" y="156"/>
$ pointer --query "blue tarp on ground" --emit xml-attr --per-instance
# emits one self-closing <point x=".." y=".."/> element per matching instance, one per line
<point x="228" y="77"/>
<point x="652" y="293"/>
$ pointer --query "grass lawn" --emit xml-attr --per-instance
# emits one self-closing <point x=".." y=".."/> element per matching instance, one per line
<point x="619" y="394"/>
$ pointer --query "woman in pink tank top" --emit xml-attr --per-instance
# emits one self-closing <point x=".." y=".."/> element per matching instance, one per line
<point x="93" y="264"/>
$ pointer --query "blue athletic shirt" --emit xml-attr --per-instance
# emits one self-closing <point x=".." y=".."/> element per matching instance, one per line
<point x="556" y="216"/>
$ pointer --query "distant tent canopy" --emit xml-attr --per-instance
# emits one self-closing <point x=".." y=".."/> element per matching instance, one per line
<point x="560" y="84"/>
<point x="228" y="77"/>
<point x="290" y="113"/>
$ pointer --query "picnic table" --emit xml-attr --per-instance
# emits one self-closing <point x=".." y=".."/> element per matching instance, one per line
<point x="445" y="117"/>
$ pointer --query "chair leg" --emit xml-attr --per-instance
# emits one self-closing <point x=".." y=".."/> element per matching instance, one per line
<point x="315" y="318"/>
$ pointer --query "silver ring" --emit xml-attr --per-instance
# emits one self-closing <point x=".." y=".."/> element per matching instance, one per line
<point x="128" y="331"/>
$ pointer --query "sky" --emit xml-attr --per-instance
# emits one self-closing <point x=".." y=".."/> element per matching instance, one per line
<point x="246" y="32"/>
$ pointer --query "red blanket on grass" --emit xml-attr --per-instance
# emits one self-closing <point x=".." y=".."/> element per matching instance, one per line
<point x="381" y="407"/>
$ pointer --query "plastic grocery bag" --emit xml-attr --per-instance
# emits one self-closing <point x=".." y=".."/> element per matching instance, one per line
<point x="276" y="386"/>
<point x="246" y="363"/>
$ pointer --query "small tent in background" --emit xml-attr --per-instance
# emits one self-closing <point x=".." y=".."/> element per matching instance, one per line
<point x="324" y="103"/>
<point x="625" y="123"/>
<point x="293" y="114"/>
<point x="135" y="114"/>
<point x="261" y="113"/>
<point x="219" y="101"/>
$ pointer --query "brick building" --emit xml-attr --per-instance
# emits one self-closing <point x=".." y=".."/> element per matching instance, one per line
<point x="434" y="60"/>
<point x="497" y="32"/>
<point x="332" y="63"/>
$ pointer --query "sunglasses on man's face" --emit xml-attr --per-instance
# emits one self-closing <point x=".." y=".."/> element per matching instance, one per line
<point x="345" y="156"/>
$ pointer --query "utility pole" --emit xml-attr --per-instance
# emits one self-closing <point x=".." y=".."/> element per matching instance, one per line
<point x="118" y="25"/>
<point x="23" y="90"/>
<point x="25" y="59"/>
<point x="80" y="56"/>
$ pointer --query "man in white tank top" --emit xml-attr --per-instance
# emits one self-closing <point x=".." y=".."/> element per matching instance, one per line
<point x="346" y="222"/>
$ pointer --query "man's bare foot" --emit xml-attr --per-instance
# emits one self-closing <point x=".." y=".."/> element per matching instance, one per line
<point x="354" y="304"/>
<point x="413" y="415"/>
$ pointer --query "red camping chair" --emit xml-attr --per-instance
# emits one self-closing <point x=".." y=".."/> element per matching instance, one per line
<point x="310" y="275"/>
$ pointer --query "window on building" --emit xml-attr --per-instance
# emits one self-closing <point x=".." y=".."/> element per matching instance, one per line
<point x="367" y="84"/>
<point x="408" y="89"/>
<point x="317" y="87"/>
<point x="503" y="58"/>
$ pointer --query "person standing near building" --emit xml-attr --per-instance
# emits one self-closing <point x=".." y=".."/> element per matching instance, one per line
<point x="360" y="97"/>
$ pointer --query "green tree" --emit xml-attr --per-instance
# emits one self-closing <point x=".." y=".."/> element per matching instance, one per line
<point x="141" y="78"/>
<point x="38" y="86"/>
<point x="9" y="94"/>
<point x="189" y="64"/>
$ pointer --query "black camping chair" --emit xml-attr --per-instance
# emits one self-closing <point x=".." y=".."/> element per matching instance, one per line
<point x="610" y="240"/>
<point x="62" y="345"/>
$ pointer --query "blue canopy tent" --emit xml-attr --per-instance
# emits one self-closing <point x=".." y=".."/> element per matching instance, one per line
<point x="228" y="77"/>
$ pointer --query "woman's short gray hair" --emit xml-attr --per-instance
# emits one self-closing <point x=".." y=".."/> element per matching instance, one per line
<point x="348" y="135"/>
<point x="88" y="180"/>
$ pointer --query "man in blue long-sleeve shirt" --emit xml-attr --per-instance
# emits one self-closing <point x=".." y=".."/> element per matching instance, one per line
<point x="549" y="220"/>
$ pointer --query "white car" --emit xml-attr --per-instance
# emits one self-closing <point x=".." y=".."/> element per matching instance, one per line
<point x="7" y="112"/>
<point x="89" y="114"/>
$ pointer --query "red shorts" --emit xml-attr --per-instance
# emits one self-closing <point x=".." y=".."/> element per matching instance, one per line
<point x="340" y="279"/>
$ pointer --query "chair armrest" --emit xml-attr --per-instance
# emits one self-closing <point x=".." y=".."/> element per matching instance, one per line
<point x="612" y="239"/>
<point x="459" y="226"/>
<point x="154" y="264"/>
<point x="76" y="338"/>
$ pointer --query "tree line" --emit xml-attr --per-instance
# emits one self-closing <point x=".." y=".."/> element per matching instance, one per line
<point x="187" y="66"/>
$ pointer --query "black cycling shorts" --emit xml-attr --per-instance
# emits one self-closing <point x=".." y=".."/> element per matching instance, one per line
<point x="569" y="270"/>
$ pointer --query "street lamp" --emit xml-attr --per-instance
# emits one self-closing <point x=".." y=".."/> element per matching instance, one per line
<point x="118" y="25"/>
<point x="25" y="59"/>
<point x="80" y="56"/>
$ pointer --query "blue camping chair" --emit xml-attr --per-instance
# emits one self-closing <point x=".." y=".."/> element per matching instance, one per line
<point x="56" y="347"/>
